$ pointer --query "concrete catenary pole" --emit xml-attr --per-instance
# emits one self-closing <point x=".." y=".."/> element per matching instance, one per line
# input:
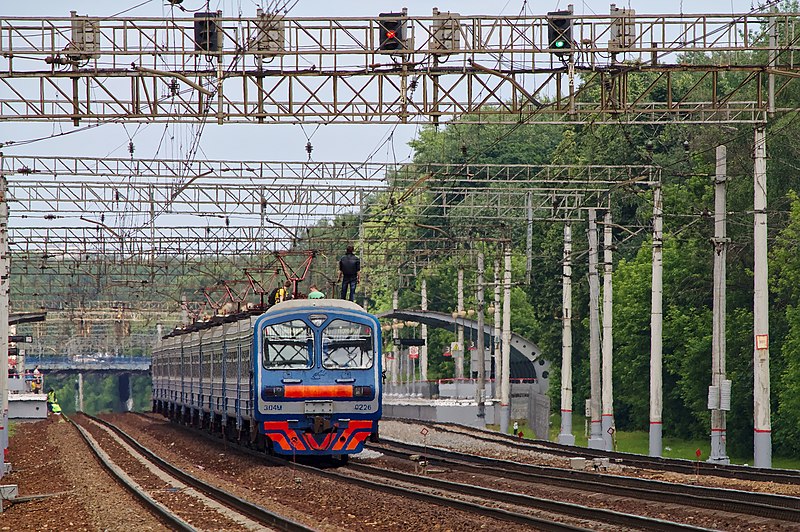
<point x="529" y="241"/>
<point x="505" y="384"/>
<point x="719" y="400"/>
<point x="79" y="398"/>
<point x="595" y="431"/>
<point x="762" y="434"/>
<point x="459" y="355"/>
<point x="566" y="437"/>
<point x="395" y="342"/>
<point x="5" y="267"/>
<point x="608" y="336"/>
<point x="480" y="393"/>
<point x="496" y="337"/>
<point x="423" y="351"/>
<point x="656" y="296"/>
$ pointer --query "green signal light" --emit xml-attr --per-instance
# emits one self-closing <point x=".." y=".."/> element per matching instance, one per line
<point x="560" y="44"/>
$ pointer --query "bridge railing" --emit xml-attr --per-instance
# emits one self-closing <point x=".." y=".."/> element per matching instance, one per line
<point x="56" y="363"/>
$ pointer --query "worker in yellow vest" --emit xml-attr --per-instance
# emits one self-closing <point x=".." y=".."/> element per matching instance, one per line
<point x="51" y="399"/>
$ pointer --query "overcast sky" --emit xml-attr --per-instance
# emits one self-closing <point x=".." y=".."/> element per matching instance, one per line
<point x="278" y="142"/>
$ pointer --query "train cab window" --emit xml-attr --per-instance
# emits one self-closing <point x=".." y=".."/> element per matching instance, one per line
<point x="347" y="345"/>
<point x="288" y="345"/>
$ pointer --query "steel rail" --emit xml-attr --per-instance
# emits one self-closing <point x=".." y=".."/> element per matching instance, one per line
<point x="488" y="511"/>
<point x="763" y="505"/>
<point x="161" y="511"/>
<point x="562" y="508"/>
<point x="739" y="472"/>
<point x="255" y="512"/>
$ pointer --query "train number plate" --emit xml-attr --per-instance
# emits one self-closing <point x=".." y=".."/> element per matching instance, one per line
<point x="319" y="407"/>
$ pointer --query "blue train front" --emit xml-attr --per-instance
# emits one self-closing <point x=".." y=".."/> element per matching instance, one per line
<point x="318" y="376"/>
<point x="302" y="378"/>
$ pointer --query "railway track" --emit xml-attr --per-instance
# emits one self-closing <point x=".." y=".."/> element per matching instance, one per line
<point x="417" y="489"/>
<point x="512" y="507"/>
<point x="524" y="502"/>
<point x="763" y="505"/>
<point x="688" y="467"/>
<point x="242" y="513"/>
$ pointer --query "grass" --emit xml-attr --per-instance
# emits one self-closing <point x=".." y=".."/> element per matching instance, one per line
<point x="638" y="442"/>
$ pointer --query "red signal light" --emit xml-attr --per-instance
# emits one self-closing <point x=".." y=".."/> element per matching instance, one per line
<point x="391" y="34"/>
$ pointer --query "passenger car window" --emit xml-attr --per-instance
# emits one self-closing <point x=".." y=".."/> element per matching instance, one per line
<point x="288" y="345"/>
<point x="347" y="345"/>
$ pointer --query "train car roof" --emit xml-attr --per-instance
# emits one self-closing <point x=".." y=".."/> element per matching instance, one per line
<point x="294" y="304"/>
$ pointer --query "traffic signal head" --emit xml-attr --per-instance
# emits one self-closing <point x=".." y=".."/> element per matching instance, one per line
<point x="559" y="31"/>
<point x="206" y="37"/>
<point x="392" y="31"/>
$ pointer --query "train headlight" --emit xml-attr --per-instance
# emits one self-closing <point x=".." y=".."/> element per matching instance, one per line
<point x="271" y="392"/>
<point x="363" y="391"/>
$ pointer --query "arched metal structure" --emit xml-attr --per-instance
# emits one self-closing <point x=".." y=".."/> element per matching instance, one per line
<point x="526" y="357"/>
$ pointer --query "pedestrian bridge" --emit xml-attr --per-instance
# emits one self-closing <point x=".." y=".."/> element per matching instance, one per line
<point x="526" y="360"/>
<point x="64" y="364"/>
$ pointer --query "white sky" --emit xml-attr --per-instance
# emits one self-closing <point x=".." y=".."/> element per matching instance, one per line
<point x="278" y="142"/>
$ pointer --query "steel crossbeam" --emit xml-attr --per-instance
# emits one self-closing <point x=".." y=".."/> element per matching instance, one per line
<point x="122" y="228"/>
<point x="303" y="70"/>
<point x="284" y="201"/>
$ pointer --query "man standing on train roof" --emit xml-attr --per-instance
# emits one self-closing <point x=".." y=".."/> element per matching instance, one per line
<point x="314" y="293"/>
<point x="349" y="273"/>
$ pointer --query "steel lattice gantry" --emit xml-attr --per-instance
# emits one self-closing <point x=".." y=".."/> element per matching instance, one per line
<point x="122" y="226"/>
<point x="277" y="69"/>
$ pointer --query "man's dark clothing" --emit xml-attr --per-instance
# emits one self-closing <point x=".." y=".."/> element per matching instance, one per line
<point x="349" y="265"/>
<point x="351" y="283"/>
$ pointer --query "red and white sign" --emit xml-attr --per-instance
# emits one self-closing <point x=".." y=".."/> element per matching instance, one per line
<point x="447" y="354"/>
<point x="413" y="352"/>
<point x="762" y="341"/>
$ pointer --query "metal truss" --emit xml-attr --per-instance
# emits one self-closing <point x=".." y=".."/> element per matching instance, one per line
<point x="272" y="69"/>
<point x="125" y="230"/>
<point x="118" y="207"/>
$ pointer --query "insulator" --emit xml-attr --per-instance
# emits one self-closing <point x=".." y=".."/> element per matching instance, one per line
<point x="131" y="147"/>
<point x="309" y="148"/>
